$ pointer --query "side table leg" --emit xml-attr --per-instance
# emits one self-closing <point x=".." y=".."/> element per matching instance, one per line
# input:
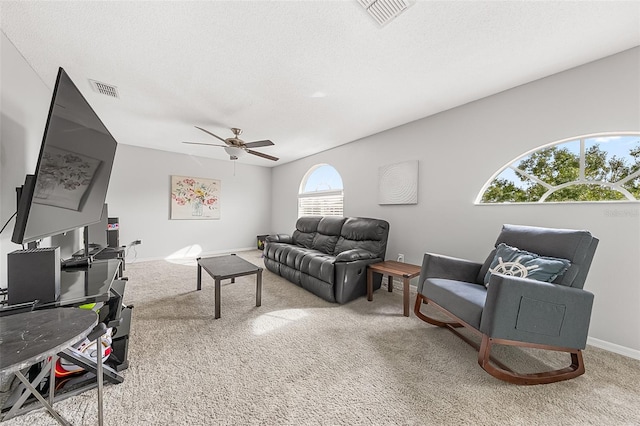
<point x="217" y="296"/>
<point x="390" y="284"/>
<point x="52" y="379"/>
<point x="199" y="282"/>
<point x="369" y="284"/>
<point x="405" y="296"/>
<point x="259" y="288"/>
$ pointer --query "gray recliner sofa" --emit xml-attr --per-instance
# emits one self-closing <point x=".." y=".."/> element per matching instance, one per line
<point x="328" y="255"/>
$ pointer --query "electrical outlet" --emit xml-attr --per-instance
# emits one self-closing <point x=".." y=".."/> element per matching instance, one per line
<point x="400" y="257"/>
<point x="136" y="242"/>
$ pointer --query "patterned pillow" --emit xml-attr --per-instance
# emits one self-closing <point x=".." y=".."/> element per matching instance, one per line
<point x="519" y="263"/>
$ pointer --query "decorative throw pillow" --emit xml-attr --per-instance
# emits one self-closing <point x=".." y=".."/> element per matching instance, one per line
<point x="519" y="263"/>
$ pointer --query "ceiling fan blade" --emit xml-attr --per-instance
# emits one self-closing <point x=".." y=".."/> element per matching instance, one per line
<point x="208" y="132"/>
<point x="205" y="144"/>
<point x="258" y="144"/>
<point x="259" y="154"/>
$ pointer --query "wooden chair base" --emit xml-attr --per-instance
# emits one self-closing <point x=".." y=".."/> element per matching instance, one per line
<point x="495" y="367"/>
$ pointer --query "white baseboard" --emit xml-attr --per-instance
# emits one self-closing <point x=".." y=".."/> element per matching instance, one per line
<point x="612" y="347"/>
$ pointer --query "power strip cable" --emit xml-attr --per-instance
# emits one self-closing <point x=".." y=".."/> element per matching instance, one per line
<point x="7" y="222"/>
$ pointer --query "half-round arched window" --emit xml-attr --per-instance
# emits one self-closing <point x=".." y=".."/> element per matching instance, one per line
<point x="321" y="192"/>
<point x="598" y="167"/>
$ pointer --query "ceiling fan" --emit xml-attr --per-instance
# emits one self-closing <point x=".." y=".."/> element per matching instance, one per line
<point x="235" y="146"/>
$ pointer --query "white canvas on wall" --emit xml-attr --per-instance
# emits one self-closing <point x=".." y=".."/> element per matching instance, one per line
<point x="195" y="198"/>
<point x="398" y="183"/>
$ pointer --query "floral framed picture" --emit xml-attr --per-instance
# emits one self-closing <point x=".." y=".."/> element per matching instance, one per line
<point x="195" y="198"/>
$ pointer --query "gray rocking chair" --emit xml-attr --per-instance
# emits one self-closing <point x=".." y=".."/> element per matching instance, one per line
<point x="503" y="308"/>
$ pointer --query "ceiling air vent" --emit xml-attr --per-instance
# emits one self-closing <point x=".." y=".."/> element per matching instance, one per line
<point x="384" y="11"/>
<point x="105" y="89"/>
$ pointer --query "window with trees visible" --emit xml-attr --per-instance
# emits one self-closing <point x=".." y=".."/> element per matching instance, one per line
<point x="603" y="167"/>
<point x="320" y="192"/>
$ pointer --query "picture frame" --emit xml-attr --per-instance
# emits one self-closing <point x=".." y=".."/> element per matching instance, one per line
<point x="195" y="198"/>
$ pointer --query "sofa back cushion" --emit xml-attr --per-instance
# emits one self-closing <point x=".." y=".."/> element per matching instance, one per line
<point x="365" y="233"/>
<point x="306" y="228"/>
<point x="328" y="233"/>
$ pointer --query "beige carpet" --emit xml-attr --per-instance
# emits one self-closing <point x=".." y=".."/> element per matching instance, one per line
<point x="299" y="360"/>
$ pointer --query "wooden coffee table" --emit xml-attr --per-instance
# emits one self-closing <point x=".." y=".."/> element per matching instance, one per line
<point x="406" y="271"/>
<point x="228" y="267"/>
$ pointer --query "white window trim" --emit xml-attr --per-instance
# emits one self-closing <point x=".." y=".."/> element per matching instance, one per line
<point x="617" y="186"/>
<point x="333" y="196"/>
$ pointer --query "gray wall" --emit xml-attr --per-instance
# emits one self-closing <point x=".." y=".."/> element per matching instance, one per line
<point x="458" y="151"/>
<point x="139" y="196"/>
<point x="24" y="104"/>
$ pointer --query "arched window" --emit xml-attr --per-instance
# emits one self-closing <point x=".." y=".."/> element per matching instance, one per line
<point x="599" y="167"/>
<point x="320" y="192"/>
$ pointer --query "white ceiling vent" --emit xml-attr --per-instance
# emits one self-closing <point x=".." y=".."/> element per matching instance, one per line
<point x="105" y="89"/>
<point x="384" y="11"/>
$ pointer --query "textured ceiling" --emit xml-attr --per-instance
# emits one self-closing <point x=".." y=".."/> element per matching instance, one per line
<point x="257" y="64"/>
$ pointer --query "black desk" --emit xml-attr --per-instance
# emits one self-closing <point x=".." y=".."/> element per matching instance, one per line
<point x="87" y="284"/>
<point x="79" y="286"/>
<point x="31" y="337"/>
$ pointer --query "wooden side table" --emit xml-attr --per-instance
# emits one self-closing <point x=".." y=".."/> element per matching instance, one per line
<point x="392" y="269"/>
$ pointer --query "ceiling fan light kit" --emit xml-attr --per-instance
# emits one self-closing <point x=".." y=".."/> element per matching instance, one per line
<point x="234" y="152"/>
<point x="236" y="147"/>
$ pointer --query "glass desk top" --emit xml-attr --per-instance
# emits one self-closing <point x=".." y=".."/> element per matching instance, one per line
<point x="87" y="284"/>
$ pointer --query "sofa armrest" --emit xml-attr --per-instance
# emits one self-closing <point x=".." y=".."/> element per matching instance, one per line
<point x="535" y="311"/>
<point x="354" y="254"/>
<point x="451" y="268"/>
<point x="279" y="238"/>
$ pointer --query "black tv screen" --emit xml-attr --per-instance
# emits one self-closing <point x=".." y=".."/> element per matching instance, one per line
<point x="72" y="174"/>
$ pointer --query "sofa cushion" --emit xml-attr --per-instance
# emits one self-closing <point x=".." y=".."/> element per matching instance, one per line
<point x="318" y="265"/>
<point x="292" y="255"/>
<point x="327" y="235"/>
<point x="464" y="300"/>
<point x="520" y="263"/>
<point x="306" y="228"/>
<point x="364" y="233"/>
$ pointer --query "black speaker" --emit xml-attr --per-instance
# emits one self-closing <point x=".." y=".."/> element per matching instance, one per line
<point x="113" y="232"/>
<point x="33" y="274"/>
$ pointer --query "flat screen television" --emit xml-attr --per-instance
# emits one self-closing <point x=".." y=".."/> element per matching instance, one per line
<point x="71" y="179"/>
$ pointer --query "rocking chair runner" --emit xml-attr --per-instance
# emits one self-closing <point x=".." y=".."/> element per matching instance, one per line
<point x="512" y="310"/>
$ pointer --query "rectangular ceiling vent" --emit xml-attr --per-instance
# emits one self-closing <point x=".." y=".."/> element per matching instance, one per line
<point x="105" y="89"/>
<point x="384" y="11"/>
